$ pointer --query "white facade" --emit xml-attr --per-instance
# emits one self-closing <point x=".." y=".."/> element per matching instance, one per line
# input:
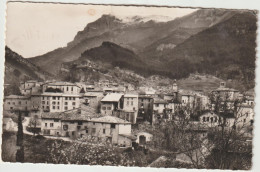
<point x="58" y="102"/>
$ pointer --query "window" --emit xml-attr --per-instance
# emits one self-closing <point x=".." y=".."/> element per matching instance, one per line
<point x="51" y="124"/>
<point x="58" y="98"/>
<point x="208" y="119"/>
<point x="53" y="103"/>
<point x="69" y="98"/>
<point x="104" y="131"/>
<point x="54" y="98"/>
<point x="53" y="107"/>
<point x="72" y="133"/>
<point x="66" y="98"/>
<point x="20" y="102"/>
<point x="66" y="108"/>
<point x="72" y="122"/>
<point x="78" y="127"/>
<point x="58" y="107"/>
<point x="56" y="120"/>
<point x="86" y="130"/>
<point x="47" y="107"/>
<point x="67" y="88"/>
<point x="79" y="122"/>
<point x="58" y="103"/>
<point x="244" y="120"/>
<point x="8" y="103"/>
<point x="94" y="123"/>
<point x="73" y="103"/>
<point x="45" y="124"/>
<point x="66" y="103"/>
<point x="11" y="108"/>
<point x="43" y="107"/>
<point x="108" y="108"/>
<point x="216" y="119"/>
<point x="103" y="108"/>
<point x="71" y="88"/>
<point x="13" y="103"/>
<point x="74" y="98"/>
<point x="113" y="126"/>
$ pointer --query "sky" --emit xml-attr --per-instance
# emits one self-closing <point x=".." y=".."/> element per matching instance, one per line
<point x="34" y="29"/>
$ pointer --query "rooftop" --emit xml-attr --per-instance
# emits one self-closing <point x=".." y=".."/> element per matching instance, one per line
<point x="62" y="84"/>
<point x="16" y="97"/>
<point x="113" y="97"/>
<point x="110" y="119"/>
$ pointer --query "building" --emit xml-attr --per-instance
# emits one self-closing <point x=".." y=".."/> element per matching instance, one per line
<point x="111" y="102"/>
<point x="131" y="105"/>
<point x="15" y="102"/>
<point x="93" y="99"/>
<point x="59" y="102"/>
<point x="62" y="87"/>
<point x="143" y="138"/>
<point x="187" y="99"/>
<point x="145" y="109"/>
<point x="9" y="125"/>
<point x="159" y="105"/>
<point x="225" y="94"/>
<point x="76" y="124"/>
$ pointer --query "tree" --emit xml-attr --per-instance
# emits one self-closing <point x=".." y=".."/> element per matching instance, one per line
<point x="87" y="150"/>
<point x="33" y="123"/>
<point x="19" y="141"/>
<point x="222" y="146"/>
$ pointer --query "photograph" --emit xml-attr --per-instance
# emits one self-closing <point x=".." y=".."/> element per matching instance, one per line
<point x="129" y="85"/>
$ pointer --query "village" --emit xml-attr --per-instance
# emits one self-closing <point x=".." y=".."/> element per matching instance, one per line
<point x="113" y="112"/>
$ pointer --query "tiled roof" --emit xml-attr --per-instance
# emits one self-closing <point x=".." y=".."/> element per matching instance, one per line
<point x="129" y="136"/>
<point x="160" y="101"/>
<point x="59" y="94"/>
<point x="113" y="97"/>
<point x="131" y="95"/>
<point x="16" y="97"/>
<point x="62" y="84"/>
<point x="110" y="119"/>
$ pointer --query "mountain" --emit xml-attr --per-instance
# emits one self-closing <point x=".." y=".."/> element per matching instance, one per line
<point x="110" y="55"/>
<point x="226" y="50"/>
<point x="19" y="69"/>
<point x="136" y="36"/>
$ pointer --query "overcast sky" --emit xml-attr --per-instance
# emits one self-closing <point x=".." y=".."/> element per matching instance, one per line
<point x="36" y="28"/>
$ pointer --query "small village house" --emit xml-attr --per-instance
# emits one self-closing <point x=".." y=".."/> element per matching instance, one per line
<point x="111" y="102"/>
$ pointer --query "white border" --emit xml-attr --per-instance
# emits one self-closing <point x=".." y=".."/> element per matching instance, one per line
<point x="229" y="4"/>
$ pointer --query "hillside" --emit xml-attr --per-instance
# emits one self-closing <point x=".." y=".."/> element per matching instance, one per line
<point x="110" y="55"/>
<point x="136" y="36"/>
<point x="226" y="50"/>
<point x="19" y="69"/>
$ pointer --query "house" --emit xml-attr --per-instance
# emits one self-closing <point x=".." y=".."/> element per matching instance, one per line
<point x="187" y="99"/>
<point x="159" y="105"/>
<point x="111" y="102"/>
<point x="211" y="119"/>
<point x="93" y="99"/>
<point x="51" y="124"/>
<point x="114" y="129"/>
<point x="145" y="109"/>
<point x="76" y="124"/>
<point x="16" y="102"/>
<point x="9" y="125"/>
<point x="131" y="105"/>
<point x="59" y="102"/>
<point x="143" y="138"/>
<point x="225" y="93"/>
<point x="62" y="87"/>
